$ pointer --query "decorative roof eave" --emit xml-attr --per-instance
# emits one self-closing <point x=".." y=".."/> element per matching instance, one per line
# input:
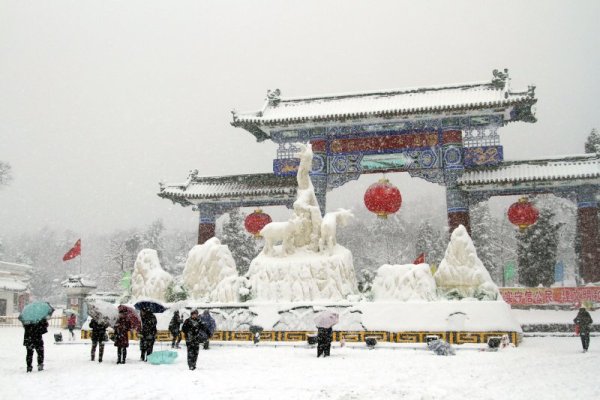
<point x="241" y="188"/>
<point x="576" y="169"/>
<point x="523" y="105"/>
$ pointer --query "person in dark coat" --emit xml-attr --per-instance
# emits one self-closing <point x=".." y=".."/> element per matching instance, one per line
<point x="584" y="320"/>
<point x="32" y="340"/>
<point x="210" y="325"/>
<point x="122" y="328"/>
<point x="195" y="333"/>
<point x="175" y="329"/>
<point x="148" y="334"/>
<point x="98" y="338"/>
<point x="324" y="338"/>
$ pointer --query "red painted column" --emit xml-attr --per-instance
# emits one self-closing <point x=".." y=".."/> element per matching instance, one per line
<point x="205" y="231"/>
<point x="587" y="227"/>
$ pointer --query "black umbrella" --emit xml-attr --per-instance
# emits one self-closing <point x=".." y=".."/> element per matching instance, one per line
<point x="151" y="306"/>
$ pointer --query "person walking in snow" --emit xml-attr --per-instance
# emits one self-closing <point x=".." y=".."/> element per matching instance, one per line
<point x="122" y="328"/>
<point x="32" y="340"/>
<point x="98" y="337"/>
<point x="209" y="326"/>
<point x="324" y="338"/>
<point x="195" y="333"/>
<point x="71" y="322"/>
<point x="175" y="329"/>
<point x="148" y="334"/>
<point x="584" y="320"/>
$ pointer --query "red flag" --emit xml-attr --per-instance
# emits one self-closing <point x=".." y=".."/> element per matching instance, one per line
<point x="74" y="252"/>
<point x="420" y="259"/>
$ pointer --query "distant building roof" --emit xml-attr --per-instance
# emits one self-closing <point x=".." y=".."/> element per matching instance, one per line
<point x="11" y="284"/>
<point x="15" y="268"/>
<point x="388" y="103"/>
<point x="78" y="281"/>
<point x="585" y="166"/>
<point x="233" y="188"/>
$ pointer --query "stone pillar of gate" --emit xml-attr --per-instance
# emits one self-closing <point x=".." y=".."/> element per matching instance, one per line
<point x="457" y="206"/>
<point x="318" y="174"/>
<point x="587" y="231"/>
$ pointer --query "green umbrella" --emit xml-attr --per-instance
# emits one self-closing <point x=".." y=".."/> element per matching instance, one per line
<point x="35" y="312"/>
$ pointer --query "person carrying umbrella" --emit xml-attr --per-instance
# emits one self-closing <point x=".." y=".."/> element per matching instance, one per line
<point x="175" y="329"/>
<point x="195" y="333"/>
<point x="584" y="320"/>
<point x="148" y="333"/>
<point x="98" y="336"/>
<point x="325" y="322"/>
<point x="210" y="326"/>
<point x="122" y="328"/>
<point x="32" y="340"/>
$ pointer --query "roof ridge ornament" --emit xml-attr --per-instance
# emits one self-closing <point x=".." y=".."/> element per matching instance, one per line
<point x="501" y="79"/>
<point x="273" y="97"/>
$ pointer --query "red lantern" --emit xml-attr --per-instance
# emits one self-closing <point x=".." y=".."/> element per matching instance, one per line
<point x="523" y="213"/>
<point x="383" y="198"/>
<point x="256" y="221"/>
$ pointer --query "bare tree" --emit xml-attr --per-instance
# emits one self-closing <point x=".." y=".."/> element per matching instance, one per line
<point x="5" y="173"/>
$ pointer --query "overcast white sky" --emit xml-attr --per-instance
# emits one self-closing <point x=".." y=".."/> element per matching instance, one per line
<point x="101" y="100"/>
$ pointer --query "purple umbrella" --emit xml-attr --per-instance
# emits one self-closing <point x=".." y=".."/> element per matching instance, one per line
<point x="327" y="319"/>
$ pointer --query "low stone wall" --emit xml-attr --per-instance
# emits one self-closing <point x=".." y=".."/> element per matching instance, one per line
<point x="348" y="336"/>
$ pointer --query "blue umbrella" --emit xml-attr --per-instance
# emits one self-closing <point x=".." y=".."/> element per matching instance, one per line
<point x="162" y="357"/>
<point x="152" y="306"/>
<point x="35" y="312"/>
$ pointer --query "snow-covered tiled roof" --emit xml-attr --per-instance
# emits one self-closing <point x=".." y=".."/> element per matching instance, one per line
<point x="78" y="281"/>
<point x="11" y="284"/>
<point x="387" y="103"/>
<point x="585" y="166"/>
<point x="229" y="187"/>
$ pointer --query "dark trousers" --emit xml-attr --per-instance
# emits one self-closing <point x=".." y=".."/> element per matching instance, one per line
<point x="121" y="355"/>
<point x="585" y="340"/>
<point x="323" y="349"/>
<point x="100" y="350"/>
<point x="192" y="354"/>
<point x="40" y="355"/>
<point x="147" y="347"/>
<point x="176" y="338"/>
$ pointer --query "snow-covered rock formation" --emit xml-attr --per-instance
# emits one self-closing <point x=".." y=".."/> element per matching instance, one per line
<point x="404" y="283"/>
<point x="149" y="280"/>
<point x="461" y="273"/>
<point x="303" y="276"/>
<point x="210" y="272"/>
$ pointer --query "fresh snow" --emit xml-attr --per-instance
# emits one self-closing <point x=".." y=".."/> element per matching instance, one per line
<point x="545" y="368"/>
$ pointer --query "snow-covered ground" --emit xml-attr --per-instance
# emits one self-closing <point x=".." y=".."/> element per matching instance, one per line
<point x="545" y="368"/>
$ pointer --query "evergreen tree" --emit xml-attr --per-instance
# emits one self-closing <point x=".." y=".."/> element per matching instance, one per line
<point x="432" y="242"/>
<point x="537" y="248"/>
<point x="592" y="144"/>
<point x="485" y="234"/>
<point x="242" y="245"/>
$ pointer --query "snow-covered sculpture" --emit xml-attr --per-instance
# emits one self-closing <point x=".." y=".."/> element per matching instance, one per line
<point x="283" y="232"/>
<point x="296" y="270"/>
<point x="461" y="273"/>
<point x="329" y="227"/>
<point x="149" y="280"/>
<point x="404" y="283"/>
<point x="208" y="265"/>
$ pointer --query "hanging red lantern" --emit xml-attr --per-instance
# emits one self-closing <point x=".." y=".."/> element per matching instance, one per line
<point x="383" y="198"/>
<point x="256" y="221"/>
<point x="523" y="213"/>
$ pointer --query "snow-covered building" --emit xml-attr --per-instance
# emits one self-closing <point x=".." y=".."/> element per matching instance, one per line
<point x="14" y="287"/>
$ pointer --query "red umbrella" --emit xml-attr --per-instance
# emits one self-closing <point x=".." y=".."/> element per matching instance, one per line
<point x="132" y="317"/>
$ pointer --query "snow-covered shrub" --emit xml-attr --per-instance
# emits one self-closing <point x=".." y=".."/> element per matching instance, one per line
<point x="404" y="282"/>
<point x="149" y="280"/>
<point x="207" y="265"/>
<point x="461" y="273"/>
